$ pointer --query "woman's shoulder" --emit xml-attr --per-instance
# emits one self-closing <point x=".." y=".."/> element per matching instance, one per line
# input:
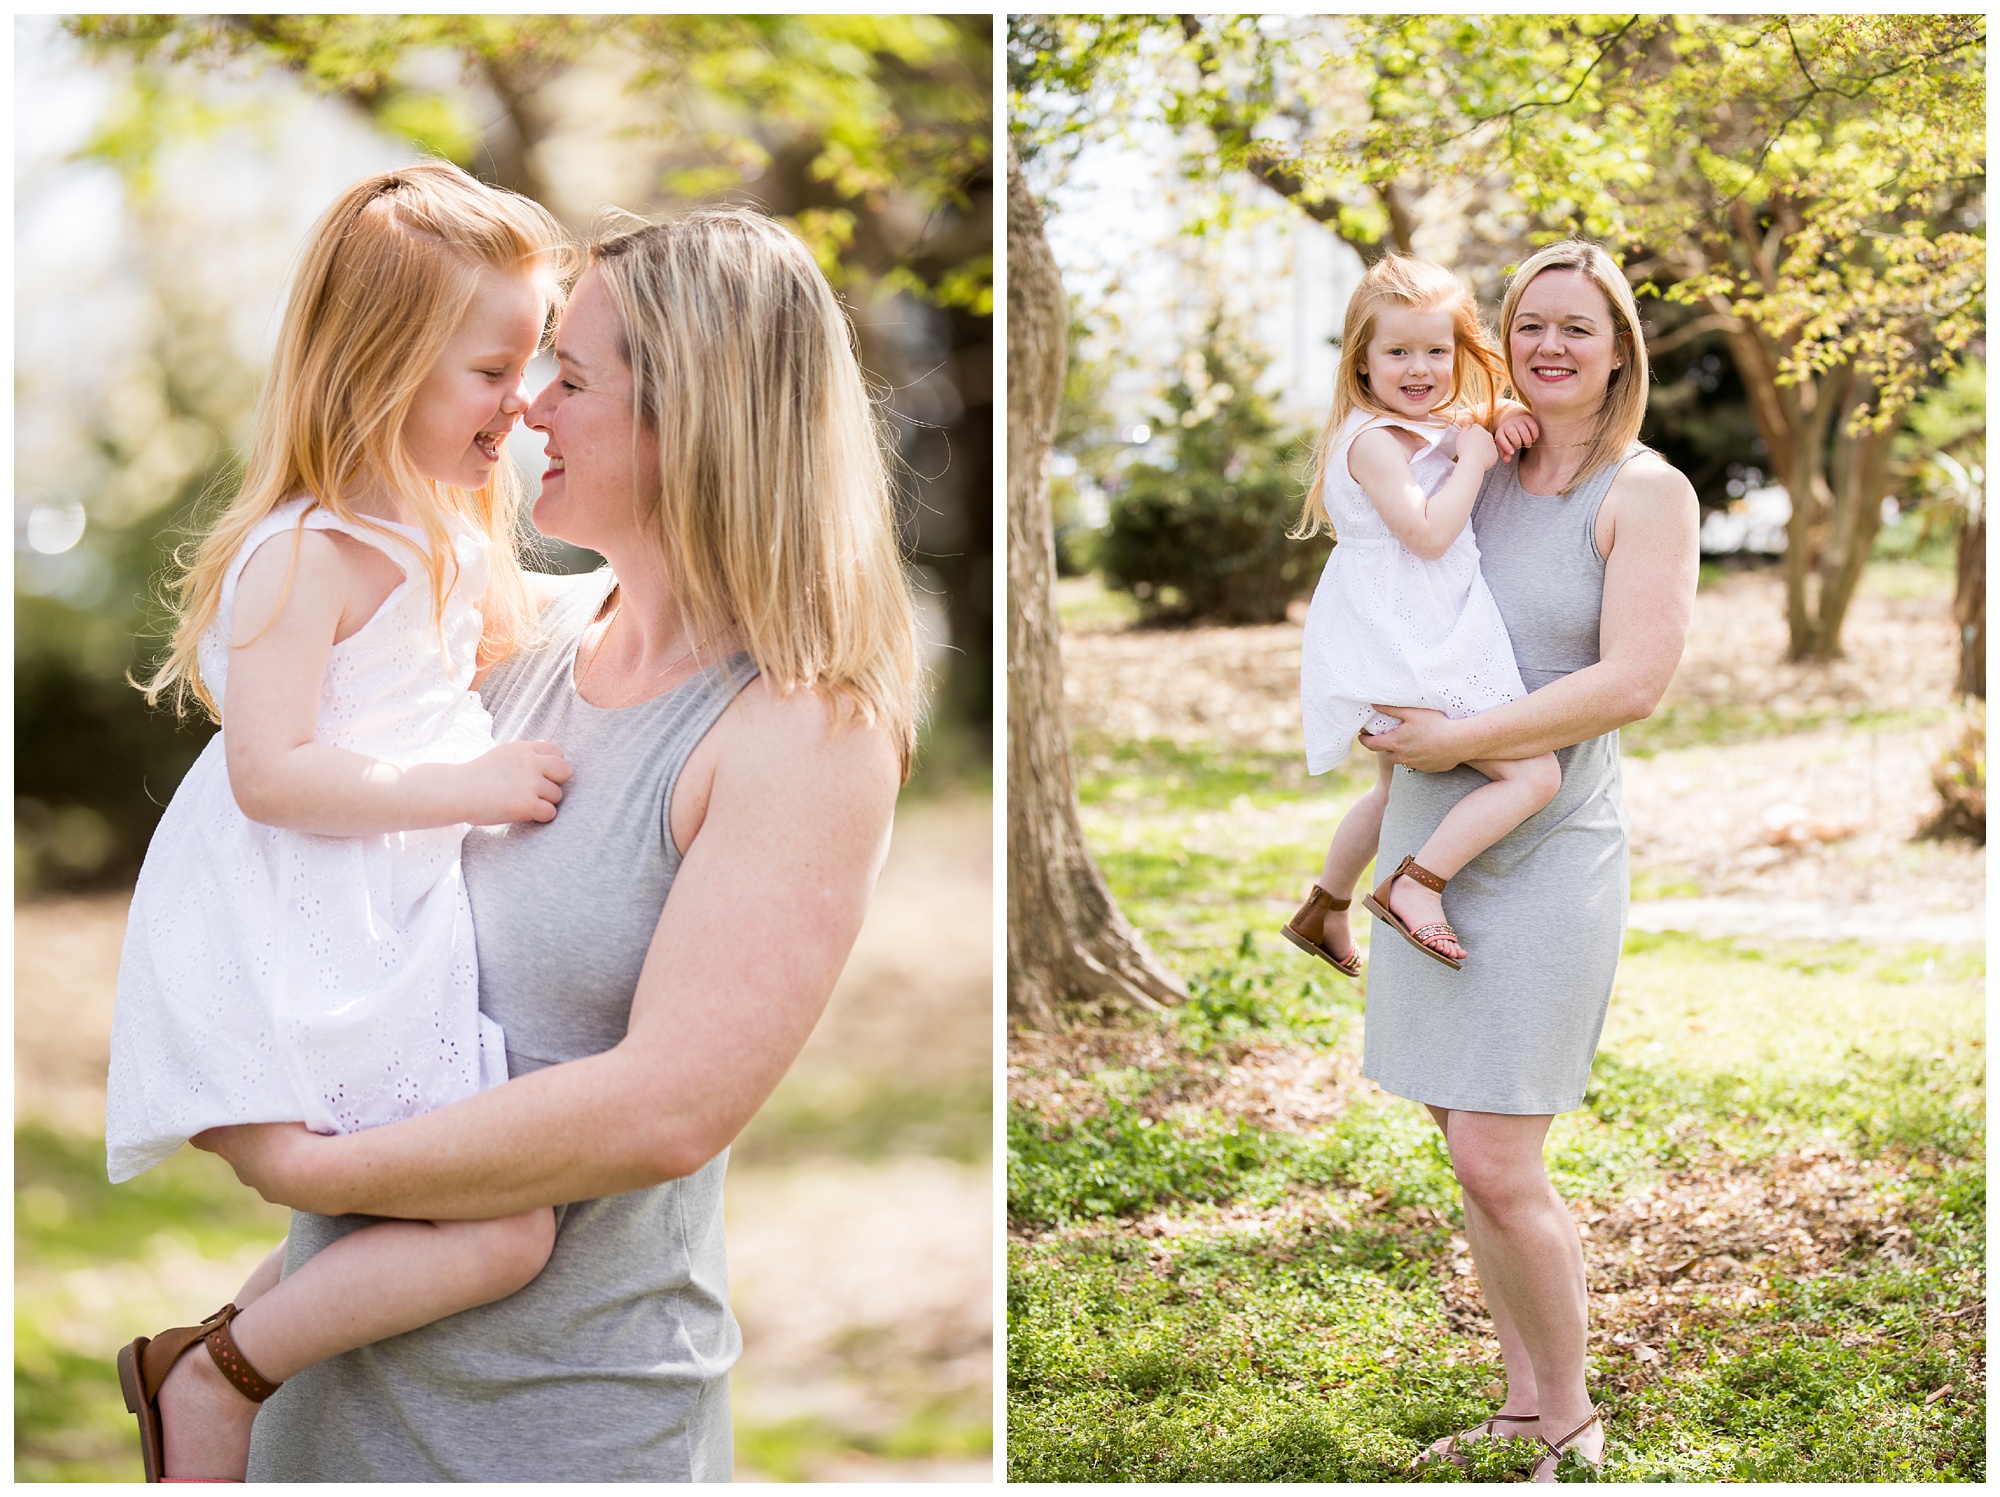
<point x="1647" y="476"/>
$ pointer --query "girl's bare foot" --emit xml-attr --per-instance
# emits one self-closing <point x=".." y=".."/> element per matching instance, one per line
<point x="1415" y="906"/>
<point x="204" y="1422"/>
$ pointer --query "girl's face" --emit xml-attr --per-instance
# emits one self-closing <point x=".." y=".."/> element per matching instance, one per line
<point x="1563" y="345"/>
<point x="601" y="459"/>
<point x="1408" y="359"/>
<point x="469" y="401"/>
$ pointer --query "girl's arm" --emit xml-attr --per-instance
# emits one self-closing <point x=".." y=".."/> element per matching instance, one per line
<point x="1425" y="525"/>
<point x="287" y="615"/>
<point x="1650" y="565"/>
<point x="764" y="910"/>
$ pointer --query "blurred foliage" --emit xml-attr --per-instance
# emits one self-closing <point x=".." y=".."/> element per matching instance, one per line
<point x="1203" y="536"/>
<point x="869" y="135"/>
<point x="1086" y="450"/>
<point x="1806" y="192"/>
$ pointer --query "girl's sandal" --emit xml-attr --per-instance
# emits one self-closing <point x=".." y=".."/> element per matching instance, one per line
<point x="1304" y="929"/>
<point x="1554" y="1450"/>
<point x="143" y="1367"/>
<point x="1377" y="904"/>
<point x="1483" y="1430"/>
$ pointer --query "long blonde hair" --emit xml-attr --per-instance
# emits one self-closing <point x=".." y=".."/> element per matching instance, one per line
<point x="1624" y="409"/>
<point x="1478" y="372"/>
<point x="385" y="280"/>
<point x="774" y="512"/>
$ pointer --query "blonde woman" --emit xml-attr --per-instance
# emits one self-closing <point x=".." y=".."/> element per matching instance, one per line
<point x="734" y="694"/>
<point x="1588" y="542"/>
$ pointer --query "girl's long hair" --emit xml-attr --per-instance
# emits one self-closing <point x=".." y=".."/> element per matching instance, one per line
<point x="1624" y="409"/>
<point x="1478" y="372"/>
<point x="385" y="280"/>
<point x="774" y="512"/>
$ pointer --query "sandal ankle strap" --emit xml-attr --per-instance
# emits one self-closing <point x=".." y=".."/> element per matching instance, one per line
<point x="1411" y="868"/>
<point x="232" y="1364"/>
<point x="1320" y="895"/>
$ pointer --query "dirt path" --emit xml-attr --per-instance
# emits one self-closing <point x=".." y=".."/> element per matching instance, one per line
<point x="864" y="1289"/>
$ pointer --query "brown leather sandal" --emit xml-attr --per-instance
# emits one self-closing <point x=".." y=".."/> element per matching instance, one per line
<point x="1377" y="904"/>
<point x="1554" y="1450"/>
<point x="144" y="1365"/>
<point x="1303" y="931"/>
<point x="1483" y="1429"/>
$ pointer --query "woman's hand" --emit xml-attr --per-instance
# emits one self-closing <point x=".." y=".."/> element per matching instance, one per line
<point x="1426" y="741"/>
<point x="271" y="1158"/>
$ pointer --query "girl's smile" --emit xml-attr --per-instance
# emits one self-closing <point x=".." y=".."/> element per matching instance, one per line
<point x="1408" y="362"/>
<point x="472" y="397"/>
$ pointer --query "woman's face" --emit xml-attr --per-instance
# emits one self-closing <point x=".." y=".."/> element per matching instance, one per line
<point x="1563" y="345"/>
<point x="472" y="396"/>
<point x="600" y="458"/>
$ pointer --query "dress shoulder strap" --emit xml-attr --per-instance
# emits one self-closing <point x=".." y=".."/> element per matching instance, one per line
<point x="1591" y="493"/>
<point x="1430" y="432"/>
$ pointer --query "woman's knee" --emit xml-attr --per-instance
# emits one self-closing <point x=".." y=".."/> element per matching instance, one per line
<point x="1502" y="1188"/>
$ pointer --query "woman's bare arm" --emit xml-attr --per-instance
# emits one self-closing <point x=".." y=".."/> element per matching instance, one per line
<point x="1651" y="560"/>
<point x="764" y="911"/>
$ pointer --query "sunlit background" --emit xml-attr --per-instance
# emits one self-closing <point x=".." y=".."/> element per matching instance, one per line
<point x="166" y="172"/>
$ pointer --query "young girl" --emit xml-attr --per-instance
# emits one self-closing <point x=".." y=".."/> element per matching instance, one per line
<point x="1401" y="614"/>
<point x="300" y="946"/>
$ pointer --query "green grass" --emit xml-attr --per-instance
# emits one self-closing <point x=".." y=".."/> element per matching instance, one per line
<point x="86" y="1250"/>
<point x="1195" y="1294"/>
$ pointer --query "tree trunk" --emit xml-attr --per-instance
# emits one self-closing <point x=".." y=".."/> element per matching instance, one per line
<point x="1067" y="941"/>
<point x="1860" y="478"/>
<point x="1968" y="607"/>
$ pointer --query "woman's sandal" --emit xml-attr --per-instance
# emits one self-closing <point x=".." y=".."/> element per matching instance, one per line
<point x="1554" y="1450"/>
<point x="1482" y="1430"/>
<point x="1377" y="904"/>
<point x="143" y="1367"/>
<point x="1304" y="929"/>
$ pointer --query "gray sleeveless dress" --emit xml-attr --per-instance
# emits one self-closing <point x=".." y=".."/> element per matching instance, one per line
<point x="613" y="1364"/>
<point x="1542" y="911"/>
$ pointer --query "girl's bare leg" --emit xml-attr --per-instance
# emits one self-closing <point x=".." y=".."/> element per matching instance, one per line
<point x="1354" y="843"/>
<point x="1530" y="1263"/>
<point x="378" y="1282"/>
<point x="1516" y="790"/>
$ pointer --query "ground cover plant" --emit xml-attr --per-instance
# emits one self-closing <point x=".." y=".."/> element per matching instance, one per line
<point x="1233" y="1258"/>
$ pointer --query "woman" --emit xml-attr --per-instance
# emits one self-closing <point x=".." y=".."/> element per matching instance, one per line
<point x="735" y="697"/>
<point x="1589" y="544"/>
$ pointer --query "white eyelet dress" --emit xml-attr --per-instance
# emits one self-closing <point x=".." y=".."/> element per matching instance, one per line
<point x="270" y="975"/>
<point x="1388" y="626"/>
<point x="1542" y="911"/>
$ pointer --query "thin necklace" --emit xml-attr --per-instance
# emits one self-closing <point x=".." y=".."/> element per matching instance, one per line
<point x="579" y="665"/>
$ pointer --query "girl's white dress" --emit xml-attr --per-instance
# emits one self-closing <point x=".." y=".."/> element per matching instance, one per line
<point x="270" y="975"/>
<point x="1386" y="625"/>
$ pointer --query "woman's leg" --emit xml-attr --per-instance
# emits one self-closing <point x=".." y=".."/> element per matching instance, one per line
<point x="1521" y="1401"/>
<point x="375" y="1283"/>
<point x="1530" y="1261"/>
<point x="1354" y="843"/>
<point x="1515" y="790"/>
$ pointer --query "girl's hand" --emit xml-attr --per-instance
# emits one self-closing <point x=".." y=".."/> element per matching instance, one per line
<point x="1423" y="742"/>
<point x="1475" y="448"/>
<point x="514" y="782"/>
<point x="270" y="1158"/>
<point x="1514" y="430"/>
